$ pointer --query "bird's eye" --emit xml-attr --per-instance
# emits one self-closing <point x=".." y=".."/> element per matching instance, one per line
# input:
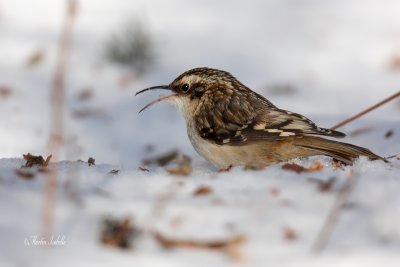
<point x="185" y="87"/>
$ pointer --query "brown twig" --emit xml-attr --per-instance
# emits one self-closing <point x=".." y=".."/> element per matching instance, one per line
<point x="362" y="113"/>
<point x="343" y="195"/>
<point x="57" y="114"/>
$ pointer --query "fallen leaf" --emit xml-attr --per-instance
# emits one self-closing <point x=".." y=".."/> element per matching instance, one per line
<point x="231" y="245"/>
<point x="24" y="174"/>
<point x="337" y="164"/>
<point x="203" y="190"/>
<point x="289" y="234"/>
<point x="226" y="169"/>
<point x="47" y="161"/>
<point x="113" y="171"/>
<point x="326" y="186"/>
<point x="32" y="160"/>
<point x="395" y="62"/>
<point x="118" y="232"/>
<point x="314" y="167"/>
<point x="183" y="169"/>
<point x="294" y="167"/>
<point x="5" y="91"/>
<point x="35" y="58"/>
<point x="91" y="161"/>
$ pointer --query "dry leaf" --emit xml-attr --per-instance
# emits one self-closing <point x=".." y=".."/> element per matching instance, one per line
<point x="113" y="171"/>
<point x="395" y="62"/>
<point x="143" y="169"/>
<point x="91" y="161"/>
<point x="47" y="161"/>
<point x="118" y="232"/>
<point x="183" y="169"/>
<point x="294" y="167"/>
<point x="5" y="91"/>
<point x="326" y="186"/>
<point x="289" y="233"/>
<point x="229" y="244"/>
<point x="24" y="174"/>
<point x="203" y="190"/>
<point x="314" y="167"/>
<point x="35" y="58"/>
<point x="337" y="164"/>
<point x="32" y="160"/>
<point x="226" y="169"/>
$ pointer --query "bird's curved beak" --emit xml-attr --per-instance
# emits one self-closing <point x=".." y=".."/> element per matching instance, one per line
<point x="161" y="98"/>
<point x="153" y="88"/>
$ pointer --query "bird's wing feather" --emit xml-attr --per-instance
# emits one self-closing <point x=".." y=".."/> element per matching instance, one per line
<point x="237" y="122"/>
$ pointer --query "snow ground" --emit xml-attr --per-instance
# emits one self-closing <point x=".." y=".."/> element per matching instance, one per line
<point x="337" y="57"/>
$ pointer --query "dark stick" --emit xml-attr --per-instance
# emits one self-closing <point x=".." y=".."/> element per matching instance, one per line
<point x="362" y="113"/>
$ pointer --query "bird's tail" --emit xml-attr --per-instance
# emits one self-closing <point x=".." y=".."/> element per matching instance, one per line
<point x="341" y="151"/>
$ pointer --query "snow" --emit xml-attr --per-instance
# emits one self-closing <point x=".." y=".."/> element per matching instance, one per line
<point x="335" y="54"/>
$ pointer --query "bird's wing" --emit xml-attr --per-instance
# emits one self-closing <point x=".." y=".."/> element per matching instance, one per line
<point x="239" y="122"/>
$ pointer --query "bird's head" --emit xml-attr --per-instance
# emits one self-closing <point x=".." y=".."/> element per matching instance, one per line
<point x="191" y="86"/>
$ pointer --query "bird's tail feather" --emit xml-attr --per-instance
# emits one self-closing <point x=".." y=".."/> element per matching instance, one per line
<point x="344" y="152"/>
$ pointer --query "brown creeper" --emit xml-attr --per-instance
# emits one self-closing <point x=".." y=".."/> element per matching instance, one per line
<point x="230" y="125"/>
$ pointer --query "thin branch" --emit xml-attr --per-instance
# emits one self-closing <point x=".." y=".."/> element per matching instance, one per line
<point x="362" y="113"/>
<point x="344" y="194"/>
<point x="57" y="122"/>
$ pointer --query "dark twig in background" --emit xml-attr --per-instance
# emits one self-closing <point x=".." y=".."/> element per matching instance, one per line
<point x="57" y="117"/>
<point x="343" y="194"/>
<point x="362" y="113"/>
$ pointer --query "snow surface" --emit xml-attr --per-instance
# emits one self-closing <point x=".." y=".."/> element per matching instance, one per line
<point x="336" y="55"/>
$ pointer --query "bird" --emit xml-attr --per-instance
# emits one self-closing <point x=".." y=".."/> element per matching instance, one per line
<point x="230" y="125"/>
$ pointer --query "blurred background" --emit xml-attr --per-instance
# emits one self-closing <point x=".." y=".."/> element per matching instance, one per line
<point x="324" y="59"/>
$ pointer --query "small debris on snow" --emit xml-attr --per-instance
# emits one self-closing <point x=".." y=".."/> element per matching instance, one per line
<point x="91" y="161"/>
<point x="183" y="169"/>
<point x="118" y="232"/>
<point x="39" y="161"/>
<point x="389" y="133"/>
<point x="289" y="233"/>
<point x="230" y="245"/>
<point x="25" y="174"/>
<point x="203" y="190"/>
<point x="314" y="167"/>
<point x="114" y="171"/>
